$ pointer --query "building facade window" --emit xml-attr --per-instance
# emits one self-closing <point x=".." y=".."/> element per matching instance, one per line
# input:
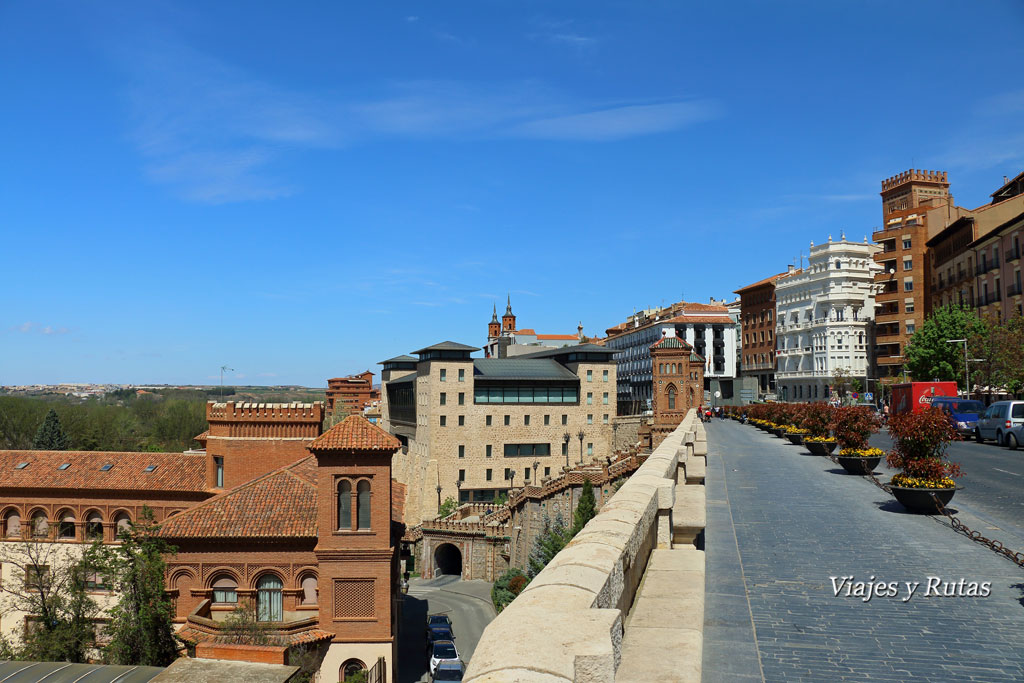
<point x="462" y="451"/>
<point x="671" y="398"/>
<point x="590" y="375"/>
<point x="487" y="473"/>
<point x="604" y="376"/>
<point x="443" y="420"/>
<point x="462" y="374"/>
<point x="508" y="420"/>
<point x="344" y="505"/>
<point x="269" y="599"/>
<point x="488" y="450"/>
<point x="518" y="450"/>
<point x="487" y="421"/>
<point x="462" y="475"/>
<point x="225" y="590"/>
<point x="444" y="399"/>
<point x="547" y="420"/>
<point x="308" y="585"/>
<point x="462" y="420"/>
<point x="526" y="420"/>
<point x="462" y="398"/>
<point x="218" y="467"/>
<point x="444" y="375"/>
<point x="363" y="505"/>
<point x="590" y="418"/>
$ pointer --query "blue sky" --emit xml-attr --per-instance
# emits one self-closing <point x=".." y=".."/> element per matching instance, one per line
<point x="301" y="190"/>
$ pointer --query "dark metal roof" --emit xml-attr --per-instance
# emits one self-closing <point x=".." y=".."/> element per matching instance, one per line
<point x="411" y="377"/>
<point x="572" y="348"/>
<point x="399" y="359"/>
<point x="63" y="672"/>
<point x="448" y="346"/>
<point x="520" y="368"/>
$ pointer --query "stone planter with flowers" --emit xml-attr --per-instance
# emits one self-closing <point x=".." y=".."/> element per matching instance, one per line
<point x="853" y="426"/>
<point x="919" y="450"/>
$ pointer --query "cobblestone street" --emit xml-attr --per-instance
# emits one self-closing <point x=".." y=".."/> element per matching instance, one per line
<point x="782" y="522"/>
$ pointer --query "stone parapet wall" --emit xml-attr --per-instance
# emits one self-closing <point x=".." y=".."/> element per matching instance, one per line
<point x="568" y="624"/>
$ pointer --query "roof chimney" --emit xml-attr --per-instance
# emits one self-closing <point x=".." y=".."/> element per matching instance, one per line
<point x="790" y="268"/>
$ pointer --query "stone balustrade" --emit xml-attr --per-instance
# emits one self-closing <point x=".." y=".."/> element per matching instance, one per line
<point x="624" y="599"/>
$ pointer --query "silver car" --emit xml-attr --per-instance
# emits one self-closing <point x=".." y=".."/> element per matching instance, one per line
<point x="1000" y="420"/>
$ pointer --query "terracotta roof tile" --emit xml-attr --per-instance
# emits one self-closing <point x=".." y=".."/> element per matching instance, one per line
<point x="202" y="437"/>
<point x="171" y="471"/>
<point x="565" y="337"/>
<point x="312" y="635"/>
<point x="355" y="433"/>
<point x="765" y="281"/>
<point x="282" y="503"/>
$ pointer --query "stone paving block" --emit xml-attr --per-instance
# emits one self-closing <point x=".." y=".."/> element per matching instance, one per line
<point x="659" y="654"/>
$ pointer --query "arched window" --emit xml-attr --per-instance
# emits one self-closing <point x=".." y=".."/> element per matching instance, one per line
<point x="12" y="524"/>
<point x="122" y="521"/>
<point x="308" y="590"/>
<point x="363" y="505"/>
<point x="225" y="590"/>
<point x="350" y="669"/>
<point x="345" y="504"/>
<point x="269" y="603"/>
<point x="40" y="525"/>
<point x="671" y="398"/>
<point x="66" y="528"/>
<point x="94" y="525"/>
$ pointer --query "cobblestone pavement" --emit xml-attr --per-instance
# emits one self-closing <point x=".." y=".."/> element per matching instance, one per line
<point x="782" y="522"/>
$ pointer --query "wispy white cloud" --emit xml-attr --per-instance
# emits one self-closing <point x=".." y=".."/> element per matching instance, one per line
<point x="37" y="328"/>
<point x="992" y="138"/>
<point x="215" y="133"/>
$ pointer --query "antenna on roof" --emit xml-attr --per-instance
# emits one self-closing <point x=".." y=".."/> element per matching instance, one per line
<point x="223" y="369"/>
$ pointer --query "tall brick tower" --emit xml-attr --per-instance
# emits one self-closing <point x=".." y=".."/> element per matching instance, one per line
<point x="916" y="206"/>
<point x="247" y="440"/>
<point x="494" y="327"/>
<point x="356" y="543"/>
<point x="508" y="321"/>
<point x="678" y="378"/>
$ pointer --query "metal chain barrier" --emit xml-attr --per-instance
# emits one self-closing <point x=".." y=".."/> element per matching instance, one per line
<point x="977" y="537"/>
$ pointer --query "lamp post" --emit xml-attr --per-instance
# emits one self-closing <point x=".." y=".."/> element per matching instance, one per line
<point x="967" y="373"/>
<point x="565" y="442"/>
<point x="615" y="434"/>
<point x="536" y="464"/>
<point x="580" y="436"/>
<point x="458" y="487"/>
<point x="512" y="482"/>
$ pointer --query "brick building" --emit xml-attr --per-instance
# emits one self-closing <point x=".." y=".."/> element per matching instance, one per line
<point x="998" y="281"/>
<point x="351" y="394"/>
<point x="246" y="440"/>
<point x="708" y="328"/>
<point x="678" y="385"/>
<point x="504" y="339"/>
<point x="311" y="545"/>
<point x="757" y="334"/>
<point x="473" y="428"/>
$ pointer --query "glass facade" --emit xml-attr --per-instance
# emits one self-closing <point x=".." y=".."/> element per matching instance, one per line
<point x="526" y="394"/>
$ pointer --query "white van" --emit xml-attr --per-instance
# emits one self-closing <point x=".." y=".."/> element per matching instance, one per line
<point x="998" y="420"/>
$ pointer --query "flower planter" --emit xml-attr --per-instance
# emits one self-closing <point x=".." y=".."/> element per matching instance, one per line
<point x="795" y="438"/>
<point x="920" y="500"/>
<point x="820" y="447"/>
<point x="858" y="465"/>
<point x="779" y="432"/>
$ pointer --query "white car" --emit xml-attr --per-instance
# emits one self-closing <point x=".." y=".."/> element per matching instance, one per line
<point x="442" y="651"/>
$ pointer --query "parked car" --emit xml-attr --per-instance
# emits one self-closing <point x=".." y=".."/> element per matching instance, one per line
<point x="439" y="632"/>
<point x="963" y="413"/>
<point x="442" y="651"/>
<point x="1001" y="418"/>
<point x="1015" y="437"/>
<point x="448" y="671"/>
<point x="438" y="620"/>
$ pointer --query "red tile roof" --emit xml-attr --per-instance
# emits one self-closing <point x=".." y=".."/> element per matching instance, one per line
<point x="765" y="281"/>
<point x="201" y="437"/>
<point x="312" y="635"/>
<point x="173" y="471"/>
<point x="355" y="433"/>
<point x="565" y="337"/>
<point x="526" y="331"/>
<point x="280" y="504"/>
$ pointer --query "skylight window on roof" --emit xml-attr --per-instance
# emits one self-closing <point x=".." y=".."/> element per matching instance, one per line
<point x="21" y="466"/>
<point x="106" y="467"/>
<point x="150" y="468"/>
<point x="64" y="466"/>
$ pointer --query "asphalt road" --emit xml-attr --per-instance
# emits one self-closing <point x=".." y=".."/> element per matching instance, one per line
<point x="467" y="603"/>
<point x="992" y="485"/>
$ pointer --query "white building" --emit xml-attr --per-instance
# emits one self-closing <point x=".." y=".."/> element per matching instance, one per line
<point x="825" y="319"/>
<point x="708" y="328"/>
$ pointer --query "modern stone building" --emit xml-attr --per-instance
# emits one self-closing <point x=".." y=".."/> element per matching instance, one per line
<point x="472" y="428"/>
<point x="824" y="320"/>
<point x="707" y="328"/>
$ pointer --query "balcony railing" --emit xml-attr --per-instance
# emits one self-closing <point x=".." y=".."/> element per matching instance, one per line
<point x="1013" y="254"/>
<point x="1013" y="290"/>
<point x="984" y="268"/>
<point x="989" y="298"/>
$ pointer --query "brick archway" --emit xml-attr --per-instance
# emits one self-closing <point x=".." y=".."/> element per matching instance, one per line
<point x="447" y="560"/>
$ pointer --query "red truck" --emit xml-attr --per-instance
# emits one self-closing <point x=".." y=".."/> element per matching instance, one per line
<point x="913" y="397"/>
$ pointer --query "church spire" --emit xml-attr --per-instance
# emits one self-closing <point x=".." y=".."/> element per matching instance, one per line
<point x="494" y="315"/>
<point x="508" y="307"/>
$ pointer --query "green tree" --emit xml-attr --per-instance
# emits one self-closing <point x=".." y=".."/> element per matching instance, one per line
<point x="510" y="584"/>
<point x="140" y="623"/>
<point x="50" y="586"/>
<point x="585" y="509"/>
<point x="51" y="436"/>
<point x="447" y="507"/>
<point x="244" y="628"/>
<point x="929" y="356"/>
<point x="1011" y="355"/>
<point x="548" y="543"/>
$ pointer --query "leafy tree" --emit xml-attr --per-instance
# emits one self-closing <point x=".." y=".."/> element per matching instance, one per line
<point x="50" y="584"/>
<point x="585" y="509"/>
<point x="928" y="356"/>
<point x="507" y="587"/>
<point x="140" y="623"/>
<point x="548" y="543"/>
<point x="244" y="628"/>
<point x="1011" y="355"/>
<point x="447" y="507"/>
<point x="51" y="436"/>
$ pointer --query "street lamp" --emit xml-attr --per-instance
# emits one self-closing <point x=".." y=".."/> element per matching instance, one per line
<point x="565" y="442"/>
<point x="512" y="481"/>
<point x="439" y="493"/>
<point x="580" y="436"/>
<point x="536" y="464"/>
<point x="458" y="487"/>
